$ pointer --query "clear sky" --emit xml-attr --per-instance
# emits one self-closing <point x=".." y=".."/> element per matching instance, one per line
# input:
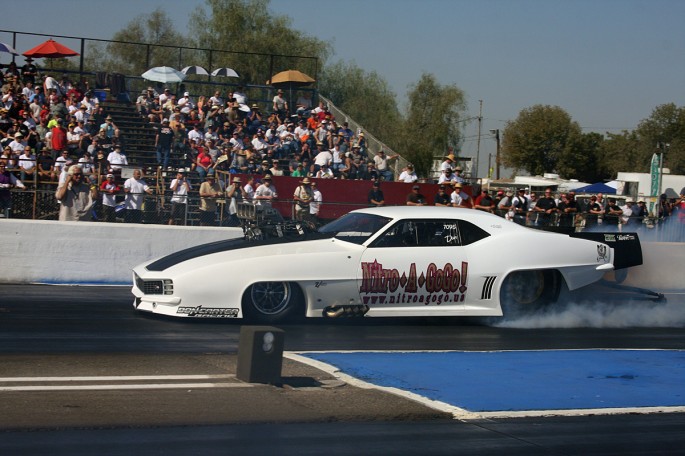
<point x="608" y="63"/>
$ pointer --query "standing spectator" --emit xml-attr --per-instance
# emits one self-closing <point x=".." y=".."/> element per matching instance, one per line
<point x="594" y="213"/>
<point x="520" y="206"/>
<point x="447" y="176"/>
<point x="135" y="188"/>
<point x="75" y="196"/>
<point x="163" y="143"/>
<point x="266" y="192"/>
<point x="545" y="207"/>
<point x="179" y="200"/>
<point x="613" y="213"/>
<point x="7" y="182"/>
<point x="59" y="138"/>
<point x="376" y="197"/>
<point x="209" y="192"/>
<point x="235" y="194"/>
<point x="315" y="205"/>
<point x="303" y="197"/>
<point x="280" y="105"/>
<point x="568" y="209"/>
<point x="249" y="190"/>
<point x="109" y="190"/>
<point x="459" y="198"/>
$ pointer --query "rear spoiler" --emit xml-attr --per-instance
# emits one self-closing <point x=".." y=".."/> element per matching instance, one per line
<point x="627" y="249"/>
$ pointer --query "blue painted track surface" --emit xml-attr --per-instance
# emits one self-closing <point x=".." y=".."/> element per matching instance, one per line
<point x="526" y="380"/>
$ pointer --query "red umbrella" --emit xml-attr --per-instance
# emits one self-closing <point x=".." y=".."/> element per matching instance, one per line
<point x="51" y="49"/>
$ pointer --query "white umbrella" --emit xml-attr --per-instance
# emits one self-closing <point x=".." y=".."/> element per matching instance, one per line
<point x="228" y="72"/>
<point x="7" y="48"/>
<point x="194" y="70"/>
<point x="164" y="75"/>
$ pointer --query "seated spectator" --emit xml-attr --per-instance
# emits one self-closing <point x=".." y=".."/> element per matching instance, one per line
<point x="408" y="175"/>
<point x="484" y="202"/>
<point x="117" y="160"/>
<point x="459" y="198"/>
<point x="276" y="168"/>
<point x="442" y="198"/>
<point x="415" y="198"/>
<point x="325" y="172"/>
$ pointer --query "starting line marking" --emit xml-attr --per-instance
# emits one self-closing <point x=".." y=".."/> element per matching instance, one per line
<point x="124" y="387"/>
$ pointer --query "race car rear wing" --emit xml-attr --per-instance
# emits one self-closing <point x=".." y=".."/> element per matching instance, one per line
<point x="627" y="249"/>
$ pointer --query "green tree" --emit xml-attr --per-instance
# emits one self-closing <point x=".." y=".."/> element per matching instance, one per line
<point x="623" y="152"/>
<point x="155" y="29"/>
<point x="538" y="139"/>
<point x="432" y="122"/>
<point x="246" y="27"/>
<point x="365" y="97"/>
<point x="665" y="125"/>
<point x="582" y="159"/>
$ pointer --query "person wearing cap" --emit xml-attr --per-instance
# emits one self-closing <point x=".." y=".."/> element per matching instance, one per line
<point x="275" y="169"/>
<point x="135" y="188"/>
<point x="302" y="197"/>
<point x="449" y="161"/>
<point x="210" y="190"/>
<point x="142" y="103"/>
<point x="111" y="130"/>
<point x="185" y="103"/>
<point x="75" y="196"/>
<point x="612" y="214"/>
<point x="442" y="199"/>
<point x="408" y="175"/>
<point x="236" y="195"/>
<point x="109" y="189"/>
<point x="415" y="198"/>
<point x="315" y="204"/>
<point x="280" y="105"/>
<point x="266" y="192"/>
<point x="484" y="202"/>
<point x="163" y="143"/>
<point x="59" y="138"/>
<point x="594" y="213"/>
<point x="568" y="208"/>
<point x="459" y="198"/>
<point x="325" y="172"/>
<point x="180" y="187"/>
<point x="520" y="206"/>
<point x="117" y="159"/>
<point x="18" y="144"/>
<point x="376" y="197"/>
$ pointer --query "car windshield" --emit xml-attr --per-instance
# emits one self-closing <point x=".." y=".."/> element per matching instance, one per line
<point x="355" y="227"/>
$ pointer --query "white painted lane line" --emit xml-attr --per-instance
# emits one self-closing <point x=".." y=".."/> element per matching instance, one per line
<point x="125" y="387"/>
<point x="113" y="378"/>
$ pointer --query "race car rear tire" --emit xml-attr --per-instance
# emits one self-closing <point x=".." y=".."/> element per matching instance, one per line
<point x="524" y="292"/>
<point x="271" y="302"/>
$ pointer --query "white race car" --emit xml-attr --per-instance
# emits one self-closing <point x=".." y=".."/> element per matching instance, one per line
<point x="381" y="262"/>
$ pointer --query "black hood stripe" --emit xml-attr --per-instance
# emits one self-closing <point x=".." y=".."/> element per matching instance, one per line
<point x="224" y="246"/>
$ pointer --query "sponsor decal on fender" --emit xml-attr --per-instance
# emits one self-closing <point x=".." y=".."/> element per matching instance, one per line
<point x="208" y="312"/>
<point x="433" y="286"/>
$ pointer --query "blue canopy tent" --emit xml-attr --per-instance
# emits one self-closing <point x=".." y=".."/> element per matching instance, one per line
<point x="599" y="187"/>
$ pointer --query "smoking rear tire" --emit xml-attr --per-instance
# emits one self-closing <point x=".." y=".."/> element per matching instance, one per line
<point x="524" y="292"/>
<point x="271" y="302"/>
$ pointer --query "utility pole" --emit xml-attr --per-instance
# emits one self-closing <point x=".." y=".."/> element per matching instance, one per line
<point x="497" y="159"/>
<point x="480" y="124"/>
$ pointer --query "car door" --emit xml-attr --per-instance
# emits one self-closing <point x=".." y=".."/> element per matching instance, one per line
<point x="416" y="267"/>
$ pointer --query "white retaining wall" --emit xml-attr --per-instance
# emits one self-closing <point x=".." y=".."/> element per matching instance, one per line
<point x="104" y="253"/>
<point x="90" y="253"/>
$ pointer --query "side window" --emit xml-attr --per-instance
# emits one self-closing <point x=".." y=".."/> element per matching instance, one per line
<point x="401" y="234"/>
<point x="470" y="233"/>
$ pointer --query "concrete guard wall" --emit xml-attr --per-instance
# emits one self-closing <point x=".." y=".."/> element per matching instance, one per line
<point x="73" y="253"/>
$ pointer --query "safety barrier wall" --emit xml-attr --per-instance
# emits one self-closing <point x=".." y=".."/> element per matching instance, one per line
<point x="38" y="251"/>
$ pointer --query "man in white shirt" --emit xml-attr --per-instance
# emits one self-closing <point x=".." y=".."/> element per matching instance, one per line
<point x="116" y="159"/>
<point x="27" y="163"/>
<point x="179" y="200"/>
<point x="135" y="188"/>
<point x="408" y="175"/>
<point x="266" y="192"/>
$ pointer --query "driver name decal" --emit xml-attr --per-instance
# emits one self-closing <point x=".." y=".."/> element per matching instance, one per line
<point x="433" y="286"/>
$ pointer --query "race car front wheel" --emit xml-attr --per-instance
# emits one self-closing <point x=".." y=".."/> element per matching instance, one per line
<point x="271" y="302"/>
<point x="524" y="292"/>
